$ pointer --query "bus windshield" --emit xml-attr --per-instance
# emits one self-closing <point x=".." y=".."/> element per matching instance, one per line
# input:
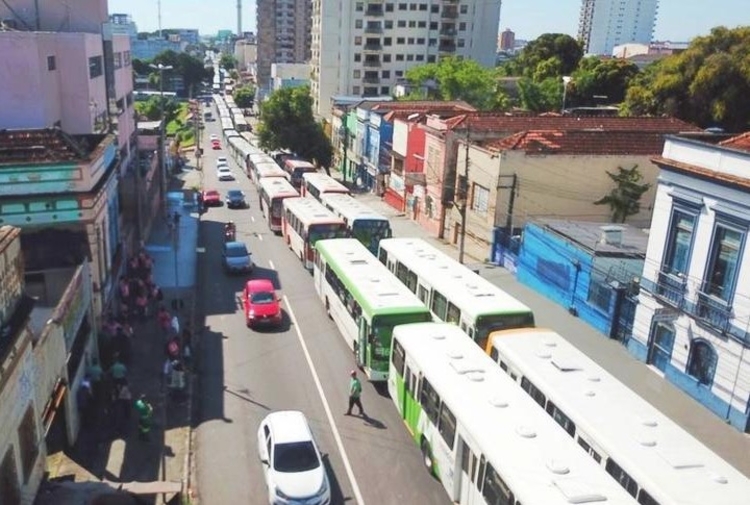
<point x="382" y="331"/>
<point x="326" y="231"/>
<point x="496" y="322"/>
<point x="277" y="208"/>
<point x="371" y="231"/>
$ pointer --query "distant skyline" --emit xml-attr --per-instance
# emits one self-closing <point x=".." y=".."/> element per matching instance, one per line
<point x="678" y="20"/>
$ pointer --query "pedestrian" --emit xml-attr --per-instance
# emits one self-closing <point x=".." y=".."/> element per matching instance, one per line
<point x="172" y="349"/>
<point x="355" y="391"/>
<point x="95" y="373"/>
<point x="123" y="402"/>
<point x="145" y="413"/>
<point x="164" y="319"/>
<point x="118" y="371"/>
<point x="84" y="397"/>
<point x="175" y="324"/>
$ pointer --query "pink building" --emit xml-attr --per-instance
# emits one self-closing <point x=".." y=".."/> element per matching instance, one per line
<point x="54" y="15"/>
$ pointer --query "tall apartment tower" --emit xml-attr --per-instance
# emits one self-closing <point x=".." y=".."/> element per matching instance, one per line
<point x="364" y="48"/>
<point x="604" y="24"/>
<point x="507" y="40"/>
<point x="283" y="35"/>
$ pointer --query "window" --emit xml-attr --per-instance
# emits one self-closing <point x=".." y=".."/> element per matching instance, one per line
<point x="402" y="7"/>
<point x="453" y="315"/>
<point x="645" y="499"/>
<point x="399" y="57"/>
<point x="591" y="452"/>
<point x="360" y="6"/>
<point x="722" y="271"/>
<point x="561" y="419"/>
<point x="399" y="357"/>
<point x="480" y="197"/>
<point x="400" y="40"/>
<point x="398" y="73"/>
<point x="464" y="9"/>
<point x="388" y="8"/>
<point x="462" y="27"/>
<point x="95" y="67"/>
<point x="419" y="57"/>
<point x="434" y="8"/>
<point x="401" y="24"/>
<point x="621" y="477"/>
<point x="461" y="43"/>
<point x="702" y="362"/>
<point x="439" y="305"/>
<point x="422" y="24"/>
<point x="679" y="242"/>
<point x="386" y="58"/>
<point x="423" y="294"/>
<point x="355" y="90"/>
<point x="27" y="442"/>
<point x="386" y="74"/>
<point x="9" y="489"/>
<point x="410" y="41"/>
<point x="387" y="41"/>
<point x="433" y="25"/>
<point x="430" y="401"/>
<point x="51" y="63"/>
<point x="447" y="426"/>
<point x="356" y="74"/>
<point x="495" y="490"/>
<point x="358" y="24"/>
<point x="126" y="58"/>
<point x="431" y="58"/>
<point x="412" y="24"/>
<point x="357" y="41"/>
<point x="388" y="24"/>
<point x="533" y="391"/>
<point x="412" y="7"/>
<point x="409" y="57"/>
<point x="357" y="57"/>
<point x="117" y="58"/>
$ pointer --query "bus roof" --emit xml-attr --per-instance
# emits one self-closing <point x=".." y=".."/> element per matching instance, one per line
<point x="669" y="463"/>
<point x="376" y="289"/>
<point x="325" y="183"/>
<point x="350" y="208"/>
<point x="539" y="462"/>
<point x="269" y="168"/>
<point x="311" y="211"/>
<point x="293" y="163"/>
<point x="277" y="187"/>
<point x="473" y="294"/>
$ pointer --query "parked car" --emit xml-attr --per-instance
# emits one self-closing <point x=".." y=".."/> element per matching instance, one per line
<point x="211" y="198"/>
<point x="222" y="160"/>
<point x="213" y="137"/>
<point x="292" y="465"/>
<point x="216" y="145"/>
<point x="235" y="199"/>
<point x="262" y="305"/>
<point x="236" y="257"/>
<point x="224" y="173"/>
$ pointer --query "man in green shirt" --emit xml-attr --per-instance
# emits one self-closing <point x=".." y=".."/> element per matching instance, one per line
<point x="145" y="413"/>
<point x="355" y="391"/>
<point x="118" y="371"/>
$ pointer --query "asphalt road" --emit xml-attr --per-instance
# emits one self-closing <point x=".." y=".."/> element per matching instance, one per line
<point x="246" y="374"/>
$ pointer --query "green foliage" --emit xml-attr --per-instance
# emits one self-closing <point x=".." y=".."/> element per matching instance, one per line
<point x="140" y="67"/>
<point x="151" y="108"/>
<point x="190" y="68"/>
<point x="244" y="96"/>
<point x="541" y="96"/>
<point x="227" y="61"/>
<point x="552" y="54"/>
<point x="625" y="198"/>
<point x="707" y="84"/>
<point x="287" y="122"/>
<point x="456" y="79"/>
<point x="603" y="77"/>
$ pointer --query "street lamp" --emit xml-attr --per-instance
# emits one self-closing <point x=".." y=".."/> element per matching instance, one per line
<point x="566" y="80"/>
<point x="161" y="68"/>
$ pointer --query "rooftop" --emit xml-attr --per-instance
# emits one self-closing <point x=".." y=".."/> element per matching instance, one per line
<point x="415" y="105"/>
<point x="589" y="236"/>
<point x="45" y="146"/>
<point x="596" y="142"/>
<point x="740" y="142"/>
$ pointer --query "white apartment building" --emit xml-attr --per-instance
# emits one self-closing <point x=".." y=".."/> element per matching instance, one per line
<point x="364" y="48"/>
<point x="604" y="24"/>
<point x="692" y="322"/>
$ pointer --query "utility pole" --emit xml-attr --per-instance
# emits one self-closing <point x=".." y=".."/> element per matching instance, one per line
<point x="346" y="142"/>
<point x="511" y="202"/>
<point x="462" y="197"/>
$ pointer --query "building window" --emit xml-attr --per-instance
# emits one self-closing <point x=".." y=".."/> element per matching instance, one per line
<point x="400" y="40"/>
<point x="432" y="42"/>
<point x="464" y="9"/>
<point x="423" y="7"/>
<point x="388" y="8"/>
<point x="434" y="8"/>
<point x="662" y="344"/>
<point x="385" y="90"/>
<point x="480" y="197"/>
<point x="95" y="67"/>
<point x="412" y="7"/>
<point x="388" y="24"/>
<point x="461" y="27"/>
<point x="357" y="57"/>
<point x="360" y="6"/>
<point x="358" y="24"/>
<point x="51" y="64"/>
<point x="9" y="488"/>
<point x="27" y="442"/>
<point x="401" y="24"/>
<point x="433" y="25"/>
<point x="412" y="24"/>
<point x="398" y="73"/>
<point x="410" y="41"/>
<point x="422" y="24"/>
<point x="461" y="42"/>
<point x="419" y="57"/>
<point x="679" y="242"/>
<point x="356" y="74"/>
<point x="386" y="58"/>
<point x="431" y="58"/>
<point x="357" y="41"/>
<point x="721" y="274"/>
<point x="387" y="41"/>
<point x="117" y="60"/>
<point x="386" y="74"/>
<point x="702" y="362"/>
<point x="409" y="57"/>
<point x="355" y="90"/>
<point x="402" y="7"/>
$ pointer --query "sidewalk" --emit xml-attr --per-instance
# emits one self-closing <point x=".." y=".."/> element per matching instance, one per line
<point x="100" y="453"/>
<point x="711" y="430"/>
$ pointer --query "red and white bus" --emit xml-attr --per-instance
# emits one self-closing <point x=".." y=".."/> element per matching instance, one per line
<point x="267" y="169"/>
<point x="295" y="168"/>
<point x="317" y="184"/>
<point x="305" y="222"/>
<point x="271" y="194"/>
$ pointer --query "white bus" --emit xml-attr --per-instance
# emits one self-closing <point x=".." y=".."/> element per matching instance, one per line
<point x="454" y="293"/>
<point x="480" y="435"/>
<point x="271" y="194"/>
<point x="316" y="184"/>
<point x="364" y="300"/>
<point x="305" y="222"/>
<point x="363" y="223"/>
<point x="257" y="159"/>
<point x="652" y="457"/>
<point x="267" y="168"/>
<point x="296" y="168"/>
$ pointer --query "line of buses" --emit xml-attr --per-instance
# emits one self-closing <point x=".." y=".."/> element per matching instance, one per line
<point x="503" y="412"/>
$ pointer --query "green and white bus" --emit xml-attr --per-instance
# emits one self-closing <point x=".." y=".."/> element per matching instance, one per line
<point x="364" y="300"/>
<point x="454" y="293"/>
<point x="480" y="434"/>
<point x="363" y="223"/>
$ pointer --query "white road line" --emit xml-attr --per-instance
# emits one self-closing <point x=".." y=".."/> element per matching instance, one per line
<point x="252" y="218"/>
<point x="271" y="263"/>
<point x="260" y="237"/>
<point x="326" y="406"/>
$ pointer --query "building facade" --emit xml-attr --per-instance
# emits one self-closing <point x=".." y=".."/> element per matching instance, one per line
<point x="507" y="40"/>
<point x="289" y="75"/>
<point x="284" y="34"/>
<point x="365" y="48"/>
<point x="604" y="24"/>
<point x="692" y="322"/>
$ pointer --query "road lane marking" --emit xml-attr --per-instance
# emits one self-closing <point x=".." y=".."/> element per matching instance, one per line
<point x="252" y="218"/>
<point x="271" y="263"/>
<point x="326" y="407"/>
<point x="260" y="237"/>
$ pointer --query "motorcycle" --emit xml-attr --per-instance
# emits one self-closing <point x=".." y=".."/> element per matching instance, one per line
<point x="229" y="233"/>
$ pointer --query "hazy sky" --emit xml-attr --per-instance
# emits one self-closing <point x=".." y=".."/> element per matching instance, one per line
<point x="678" y="20"/>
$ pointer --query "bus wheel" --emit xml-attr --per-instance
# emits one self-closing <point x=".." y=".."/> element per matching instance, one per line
<point x="328" y="309"/>
<point x="426" y="456"/>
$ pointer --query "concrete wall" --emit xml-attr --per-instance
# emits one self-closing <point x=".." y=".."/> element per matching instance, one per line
<point x="54" y="15"/>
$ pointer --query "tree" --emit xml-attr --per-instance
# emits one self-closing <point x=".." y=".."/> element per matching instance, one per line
<point x="601" y="77"/>
<point x="227" y="61"/>
<point x="191" y="69"/>
<point x="244" y="96"/>
<point x="140" y="67"/>
<point x="625" y="198"/>
<point x="287" y="122"/>
<point x="551" y="54"/>
<point x="455" y="79"/>
<point x="707" y="84"/>
<point x="151" y="108"/>
<point x="541" y="96"/>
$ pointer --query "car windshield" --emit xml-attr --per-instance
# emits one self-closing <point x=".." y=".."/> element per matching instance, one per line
<point x="234" y="193"/>
<point x="236" y="251"/>
<point x="295" y="457"/>
<point x="262" y="298"/>
<point x="212" y="193"/>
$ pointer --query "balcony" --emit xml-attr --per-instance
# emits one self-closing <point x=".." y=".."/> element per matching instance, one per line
<point x="371" y="79"/>
<point x="373" y="46"/>
<point x="670" y="288"/>
<point x="371" y="63"/>
<point x="449" y="13"/>
<point x="447" y="48"/>
<point x="448" y="32"/>
<point x="713" y="311"/>
<point x="374" y="10"/>
<point x="373" y="29"/>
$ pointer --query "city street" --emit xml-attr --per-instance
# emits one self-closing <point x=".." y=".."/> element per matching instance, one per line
<point x="246" y="374"/>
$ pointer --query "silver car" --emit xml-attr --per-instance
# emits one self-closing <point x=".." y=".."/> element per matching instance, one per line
<point x="236" y="257"/>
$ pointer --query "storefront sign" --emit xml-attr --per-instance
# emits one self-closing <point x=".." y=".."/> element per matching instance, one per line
<point x="72" y="308"/>
<point x="396" y="183"/>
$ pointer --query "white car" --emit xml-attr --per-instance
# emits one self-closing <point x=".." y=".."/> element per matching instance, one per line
<point x="222" y="160"/>
<point x="223" y="173"/>
<point x="292" y="464"/>
<point x="214" y="137"/>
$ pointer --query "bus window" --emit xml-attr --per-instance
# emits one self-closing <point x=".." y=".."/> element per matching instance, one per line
<point x="533" y="391"/>
<point x="645" y="499"/>
<point x="622" y="477"/>
<point x="447" y="426"/>
<point x="496" y="356"/>
<point x="495" y="490"/>
<point x="383" y="256"/>
<point x="429" y="401"/>
<point x="423" y="294"/>
<point x="453" y="315"/>
<point x="439" y="305"/>
<point x="561" y="419"/>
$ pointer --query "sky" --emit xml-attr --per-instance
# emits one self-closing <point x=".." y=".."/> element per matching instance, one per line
<point x="678" y="20"/>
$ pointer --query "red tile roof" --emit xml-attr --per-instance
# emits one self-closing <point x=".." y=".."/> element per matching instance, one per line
<point x="443" y="112"/>
<point x="595" y="142"/>
<point x="415" y="105"/>
<point x="499" y="122"/>
<point x="701" y="172"/>
<point x="741" y="142"/>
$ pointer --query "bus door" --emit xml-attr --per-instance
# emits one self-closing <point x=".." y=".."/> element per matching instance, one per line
<point x="361" y="344"/>
<point x="410" y="409"/>
<point x="465" y="482"/>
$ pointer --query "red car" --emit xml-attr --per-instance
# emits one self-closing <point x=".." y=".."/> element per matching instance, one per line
<point x="211" y="198"/>
<point x="262" y="305"/>
<point x="216" y="145"/>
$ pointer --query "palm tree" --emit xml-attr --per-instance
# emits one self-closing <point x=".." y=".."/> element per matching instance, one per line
<point x="625" y="198"/>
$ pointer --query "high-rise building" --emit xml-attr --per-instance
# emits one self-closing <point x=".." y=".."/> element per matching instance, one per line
<point x="365" y="48"/>
<point x="604" y="24"/>
<point x="283" y="35"/>
<point x="507" y="40"/>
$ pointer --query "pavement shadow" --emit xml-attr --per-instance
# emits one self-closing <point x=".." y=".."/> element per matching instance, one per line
<point x="337" y="495"/>
<point x="210" y="368"/>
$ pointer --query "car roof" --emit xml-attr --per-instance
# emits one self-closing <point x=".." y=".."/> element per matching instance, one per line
<point x="235" y="192"/>
<point x="255" y="285"/>
<point x="235" y="245"/>
<point x="222" y="167"/>
<point x="289" y="426"/>
<point x="212" y="192"/>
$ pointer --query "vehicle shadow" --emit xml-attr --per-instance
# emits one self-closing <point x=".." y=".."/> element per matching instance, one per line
<point x="337" y="496"/>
